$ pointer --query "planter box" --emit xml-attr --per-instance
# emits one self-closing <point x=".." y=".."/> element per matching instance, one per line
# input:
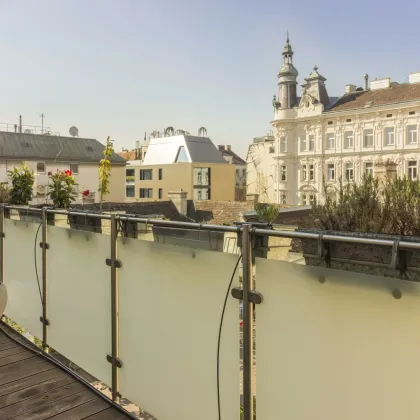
<point x="86" y="223"/>
<point x="361" y="258"/>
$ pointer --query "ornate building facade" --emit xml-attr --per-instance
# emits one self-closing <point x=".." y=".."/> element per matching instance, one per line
<point x="319" y="140"/>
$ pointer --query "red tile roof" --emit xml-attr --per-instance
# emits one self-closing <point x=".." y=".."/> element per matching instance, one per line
<point x="221" y="212"/>
<point x="394" y="94"/>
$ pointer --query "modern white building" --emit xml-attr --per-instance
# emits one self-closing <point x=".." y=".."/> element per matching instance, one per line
<point x="319" y="140"/>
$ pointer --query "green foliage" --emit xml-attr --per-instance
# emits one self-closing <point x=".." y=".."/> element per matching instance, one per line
<point x="105" y="169"/>
<point x="267" y="212"/>
<point x="241" y="412"/>
<point x="4" y="193"/>
<point x="61" y="188"/>
<point x="130" y="178"/>
<point x="22" y="180"/>
<point x="392" y="207"/>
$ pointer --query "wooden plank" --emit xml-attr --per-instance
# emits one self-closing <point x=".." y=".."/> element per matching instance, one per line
<point x="34" y="390"/>
<point x="23" y="369"/>
<point x="4" y="339"/>
<point x="50" y="398"/>
<point x="30" y="380"/>
<point x="12" y="350"/>
<point x="8" y="345"/>
<point x="109" y="414"/>
<point x="83" y="411"/>
<point x="16" y="358"/>
<point x="58" y="407"/>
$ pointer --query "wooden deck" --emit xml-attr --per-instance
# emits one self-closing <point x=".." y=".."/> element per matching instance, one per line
<point x="33" y="388"/>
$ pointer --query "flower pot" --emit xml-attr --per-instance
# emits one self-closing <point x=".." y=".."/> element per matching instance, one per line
<point x="25" y="214"/>
<point x="362" y="258"/>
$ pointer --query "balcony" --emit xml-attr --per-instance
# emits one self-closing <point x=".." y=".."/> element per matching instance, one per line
<point x="130" y="180"/>
<point x="159" y="324"/>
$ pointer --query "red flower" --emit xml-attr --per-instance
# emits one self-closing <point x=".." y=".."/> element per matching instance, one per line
<point x="241" y="323"/>
<point x="68" y="172"/>
<point x="85" y="193"/>
<point x="49" y="173"/>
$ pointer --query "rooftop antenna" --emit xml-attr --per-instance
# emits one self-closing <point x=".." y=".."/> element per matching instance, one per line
<point x="42" y="122"/>
<point x="74" y="131"/>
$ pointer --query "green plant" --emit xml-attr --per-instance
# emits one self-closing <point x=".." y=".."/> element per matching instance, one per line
<point x="61" y="188"/>
<point x="130" y="178"/>
<point x="22" y="180"/>
<point x="4" y="193"/>
<point x="267" y="212"/>
<point x="241" y="410"/>
<point x="105" y="170"/>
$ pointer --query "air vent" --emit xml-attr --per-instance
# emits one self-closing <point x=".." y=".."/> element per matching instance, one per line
<point x="330" y="122"/>
<point x="388" y="115"/>
<point x="412" y="113"/>
<point x="89" y="148"/>
<point x="348" y="120"/>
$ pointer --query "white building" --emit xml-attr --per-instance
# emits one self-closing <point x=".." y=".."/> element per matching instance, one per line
<point x="319" y="139"/>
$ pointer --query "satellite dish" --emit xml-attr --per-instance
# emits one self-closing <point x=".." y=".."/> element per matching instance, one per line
<point x="27" y="131"/>
<point x="74" y="132"/>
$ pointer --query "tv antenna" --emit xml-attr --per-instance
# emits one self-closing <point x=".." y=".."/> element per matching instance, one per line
<point x="42" y="122"/>
<point x="74" y="132"/>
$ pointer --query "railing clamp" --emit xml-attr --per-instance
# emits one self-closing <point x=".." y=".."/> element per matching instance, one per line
<point x="254" y="297"/>
<point x="44" y="245"/>
<point x="44" y="321"/>
<point x="118" y="362"/>
<point x="117" y="263"/>
<point x="324" y="250"/>
<point x="2" y="235"/>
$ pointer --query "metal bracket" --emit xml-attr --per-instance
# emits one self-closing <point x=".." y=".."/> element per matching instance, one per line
<point x="44" y="321"/>
<point x="324" y="250"/>
<point x="110" y="359"/>
<point x="394" y="257"/>
<point x="117" y="263"/>
<point x="254" y="297"/>
<point x="44" y="245"/>
<point x="2" y="235"/>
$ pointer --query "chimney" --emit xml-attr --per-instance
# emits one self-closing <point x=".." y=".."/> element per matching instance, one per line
<point x="179" y="198"/>
<point x="253" y="198"/>
<point x="221" y="148"/>
<point x="350" y="88"/>
<point x="228" y="146"/>
<point x="20" y="123"/>
<point x="414" y="78"/>
<point x="380" y="83"/>
<point x="366" y="81"/>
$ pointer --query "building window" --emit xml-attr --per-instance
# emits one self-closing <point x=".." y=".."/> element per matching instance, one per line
<point x="331" y="172"/>
<point x="369" y="168"/>
<point x="388" y="115"/>
<point x="368" y="138"/>
<point x="348" y="140"/>
<point x="330" y="122"/>
<point x="303" y="199"/>
<point x="201" y="193"/>
<point x="201" y="176"/>
<point x="271" y="150"/>
<point x="311" y="172"/>
<point x="304" y="173"/>
<point x="308" y="199"/>
<point x="412" y="134"/>
<point x="311" y="142"/>
<point x="129" y="191"/>
<point x="129" y="172"/>
<point x="146" y="193"/>
<point x="283" y="198"/>
<point x="40" y="167"/>
<point x="74" y="167"/>
<point x="348" y="120"/>
<point x="389" y="136"/>
<point x="160" y="174"/>
<point x="349" y="172"/>
<point x="283" y="144"/>
<point x="412" y="113"/>
<point x="412" y="169"/>
<point x="146" y="175"/>
<point x="283" y="173"/>
<point x="160" y="195"/>
<point x="303" y="144"/>
<point x="308" y="172"/>
<point x="330" y="141"/>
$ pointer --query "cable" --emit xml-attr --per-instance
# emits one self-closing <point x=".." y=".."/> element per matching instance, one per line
<point x="36" y="265"/>
<point x="220" y="334"/>
<point x="60" y="365"/>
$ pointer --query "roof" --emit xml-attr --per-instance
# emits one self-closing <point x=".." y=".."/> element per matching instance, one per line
<point x="220" y="212"/>
<point x="236" y="160"/>
<point x="129" y="155"/>
<point x="32" y="386"/>
<point x="24" y="146"/>
<point x="394" y="94"/>
<point x="168" y="150"/>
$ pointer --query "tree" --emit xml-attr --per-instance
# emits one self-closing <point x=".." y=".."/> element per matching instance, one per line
<point x="105" y="170"/>
<point x="169" y="131"/>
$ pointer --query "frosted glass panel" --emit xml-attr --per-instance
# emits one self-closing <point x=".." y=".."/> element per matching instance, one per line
<point x="344" y="349"/>
<point x="171" y="300"/>
<point x="24" y="302"/>
<point x="79" y="298"/>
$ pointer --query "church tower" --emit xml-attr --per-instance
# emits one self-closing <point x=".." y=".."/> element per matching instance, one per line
<point x="287" y="97"/>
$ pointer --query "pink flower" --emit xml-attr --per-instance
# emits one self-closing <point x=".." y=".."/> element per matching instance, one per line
<point x="49" y="173"/>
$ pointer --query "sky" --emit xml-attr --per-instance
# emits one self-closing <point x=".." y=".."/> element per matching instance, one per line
<point x="125" y="67"/>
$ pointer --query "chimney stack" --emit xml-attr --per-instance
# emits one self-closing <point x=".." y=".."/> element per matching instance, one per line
<point x="20" y="123"/>
<point x="366" y="81"/>
<point x="228" y="147"/>
<point x="350" y="88"/>
<point x="221" y="148"/>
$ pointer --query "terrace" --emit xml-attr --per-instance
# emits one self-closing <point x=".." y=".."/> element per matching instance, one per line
<point x="157" y="324"/>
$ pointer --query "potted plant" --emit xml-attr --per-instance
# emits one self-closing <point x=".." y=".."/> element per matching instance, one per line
<point x="21" y="191"/>
<point x="61" y="191"/>
<point x="380" y="210"/>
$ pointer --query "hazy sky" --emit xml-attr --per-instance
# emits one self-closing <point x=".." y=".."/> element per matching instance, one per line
<point x="123" y="67"/>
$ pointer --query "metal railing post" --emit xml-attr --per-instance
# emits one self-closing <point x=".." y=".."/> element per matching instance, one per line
<point x="44" y="247"/>
<point x="116" y="363"/>
<point x="1" y="244"/>
<point x="247" y="283"/>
